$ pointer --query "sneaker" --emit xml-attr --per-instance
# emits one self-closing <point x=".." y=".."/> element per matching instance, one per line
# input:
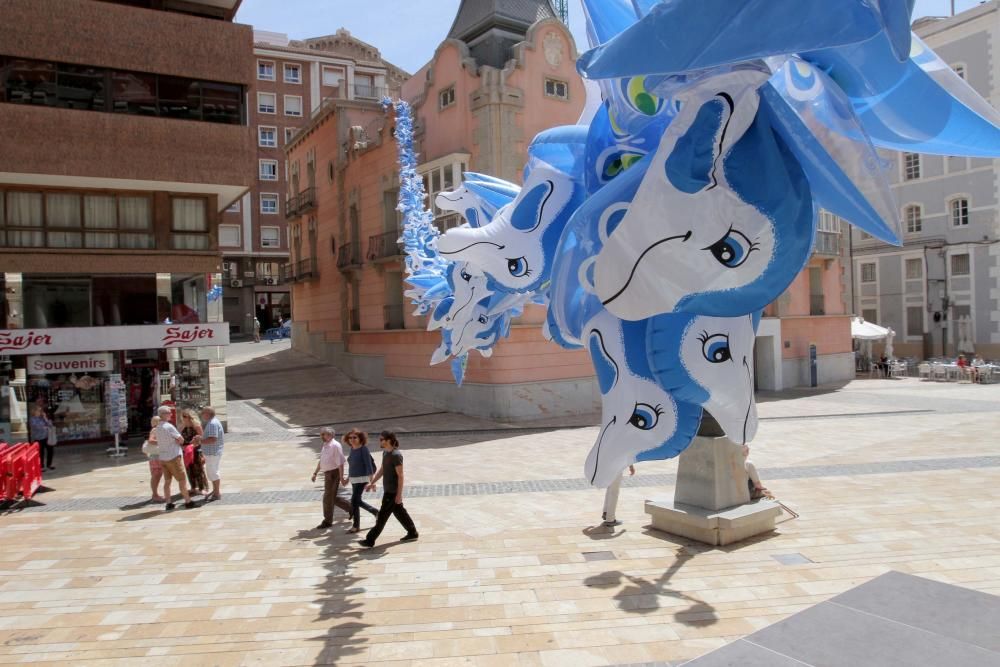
<point x="354" y="529"/>
<point x="323" y="526"/>
<point x="409" y="537"/>
<point x="366" y="544"/>
<point x="190" y="505"/>
<point x="612" y="524"/>
<point x="169" y="506"/>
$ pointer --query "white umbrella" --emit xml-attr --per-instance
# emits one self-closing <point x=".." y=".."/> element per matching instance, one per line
<point x="965" y="335"/>
<point x="888" y="343"/>
<point x="867" y="330"/>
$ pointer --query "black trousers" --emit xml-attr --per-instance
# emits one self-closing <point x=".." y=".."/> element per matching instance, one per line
<point x="45" y="453"/>
<point x="357" y="504"/>
<point x="390" y="507"/>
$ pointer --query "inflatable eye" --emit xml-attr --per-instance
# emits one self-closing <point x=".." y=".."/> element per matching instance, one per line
<point x="732" y="249"/>
<point x="466" y="276"/>
<point x="802" y="81"/>
<point x="641" y="99"/>
<point x="518" y="267"/>
<point x="619" y="163"/>
<point x="482" y="319"/>
<point x="645" y="416"/>
<point x="715" y="348"/>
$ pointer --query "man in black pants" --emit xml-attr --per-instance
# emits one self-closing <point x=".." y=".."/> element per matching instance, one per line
<point x="392" y="497"/>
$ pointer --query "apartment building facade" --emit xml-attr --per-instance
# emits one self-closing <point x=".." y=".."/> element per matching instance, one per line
<point x="940" y="291"/>
<point x="124" y="133"/>
<point x="291" y="80"/>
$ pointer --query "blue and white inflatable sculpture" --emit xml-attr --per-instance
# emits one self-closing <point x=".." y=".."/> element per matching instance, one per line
<point x="659" y="230"/>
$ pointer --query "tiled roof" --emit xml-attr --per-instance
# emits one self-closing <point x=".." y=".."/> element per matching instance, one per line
<point x="476" y="16"/>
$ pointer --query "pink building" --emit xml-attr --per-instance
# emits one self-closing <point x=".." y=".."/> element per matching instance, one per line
<point x="505" y="72"/>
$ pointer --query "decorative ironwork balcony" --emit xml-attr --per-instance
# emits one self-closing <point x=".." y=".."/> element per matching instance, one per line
<point x="349" y="256"/>
<point x="293" y="272"/>
<point x="301" y="203"/>
<point x="384" y="246"/>
<point x="827" y="244"/>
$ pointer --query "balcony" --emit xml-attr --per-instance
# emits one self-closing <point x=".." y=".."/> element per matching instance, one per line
<point x="394" y="316"/>
<point x="296" y="272"/>
<point x="384" y="247"/>
<point x="349" y="256"/>
<point x="300" y="204"/>
<point x="368" y="92"/>
<point x="827" y="244"/>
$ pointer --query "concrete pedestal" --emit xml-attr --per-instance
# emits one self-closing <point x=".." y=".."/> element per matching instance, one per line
<point x="712" y="500"/>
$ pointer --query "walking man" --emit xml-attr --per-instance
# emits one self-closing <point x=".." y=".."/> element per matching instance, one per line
<point x="611" y="499"/>
<point x="169" y="440"/>
<point x="331" y="464"/>
<point x="212" y="440"/>
<point x="392" y="498"/>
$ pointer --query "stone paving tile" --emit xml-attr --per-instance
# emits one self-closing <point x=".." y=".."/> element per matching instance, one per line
<point x="497" y="578"/>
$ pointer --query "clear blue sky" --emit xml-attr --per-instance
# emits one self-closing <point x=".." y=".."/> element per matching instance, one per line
<point x="408" y="31"/>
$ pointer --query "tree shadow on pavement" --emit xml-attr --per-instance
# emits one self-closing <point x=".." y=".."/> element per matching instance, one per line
<point x="642" y="596"/>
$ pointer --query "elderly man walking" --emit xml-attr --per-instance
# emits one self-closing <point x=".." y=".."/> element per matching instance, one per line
<point x="212" y="440"/>
<point x="169" y="440"/>
<point x="331" y="463"/>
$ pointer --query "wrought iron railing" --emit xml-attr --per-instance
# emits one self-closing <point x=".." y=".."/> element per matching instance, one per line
<point x="384" y="246"/>
<point x="369" y="92"/>
<point x="301" y="203"/>
<point x="304" y="269"/>
<point x="827" y="243"/>
<point x="349" y="255"/>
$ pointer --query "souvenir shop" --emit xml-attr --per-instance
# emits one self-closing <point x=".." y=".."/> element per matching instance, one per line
<point x="59" y="371"/>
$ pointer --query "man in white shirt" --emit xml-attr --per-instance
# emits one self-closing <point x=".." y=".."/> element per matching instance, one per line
<point x="331" y="464"/>
<point x="169" y="440"/>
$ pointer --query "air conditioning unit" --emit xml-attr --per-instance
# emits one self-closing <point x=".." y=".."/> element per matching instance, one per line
<point x="270" y="281"/>
<point x="236" y="283"/>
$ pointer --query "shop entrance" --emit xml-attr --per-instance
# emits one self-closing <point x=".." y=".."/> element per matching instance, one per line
<point x="141" y="374"/>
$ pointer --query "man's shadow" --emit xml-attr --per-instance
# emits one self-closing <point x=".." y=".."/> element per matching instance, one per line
<point x="640" y="596"/>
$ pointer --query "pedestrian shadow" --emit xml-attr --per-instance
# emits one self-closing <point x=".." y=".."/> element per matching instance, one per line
<point x="340" y="593"/>
<point x="602" y="532"/>
<point x="142" y="516"/>
<point x="642" y="596"/>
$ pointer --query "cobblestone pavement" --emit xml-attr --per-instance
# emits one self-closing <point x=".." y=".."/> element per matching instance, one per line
<point x="511" y="567"/>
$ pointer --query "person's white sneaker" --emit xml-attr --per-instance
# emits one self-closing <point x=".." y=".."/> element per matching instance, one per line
<point x="612" y="524"/>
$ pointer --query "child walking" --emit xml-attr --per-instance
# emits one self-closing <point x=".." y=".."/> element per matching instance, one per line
<point x="361" y="468"/>
<point x="392" y="497"/>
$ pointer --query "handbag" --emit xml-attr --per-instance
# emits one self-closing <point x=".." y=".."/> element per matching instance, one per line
<point x="150" y="449"/>
<point x="53" y="435"/>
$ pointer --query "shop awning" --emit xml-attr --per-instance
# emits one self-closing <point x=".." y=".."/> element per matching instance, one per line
<point x="867" y="330"/>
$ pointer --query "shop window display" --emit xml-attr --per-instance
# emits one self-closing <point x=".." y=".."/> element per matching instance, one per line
<point x="74" y="403"/>
<point x="190" y="384"/>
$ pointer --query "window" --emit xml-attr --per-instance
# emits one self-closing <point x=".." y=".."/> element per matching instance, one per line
<point x="234" y="207"/>
<point x="269" y="237"/>
<point x="914" y="219"/>
<point x="959" y="70"/>
<point x="87" y="88"/>
<point x="293" y="73"/>
<point x="289" y="133"/>
<point x="960" y="265"/>
<point x="446" y="98"/>
<point x="914" y="321"/>
<point x="868" y="272"/>
<point x="364" y="86"/>
<point x="268" y="170"/>
<point x="332" y="76"/>
<point x="229" y="236"/>
<point x="269" y="204"/>
<point x="265" y="70"/>
<point x="62" y="220"/>
<point x="74" y="220"/>
<point x="558" y="89"/>
<point x="959" y="209"/>
<point x="442" y="178"/>
<point x="266" y="103"/>
<point x="911" y="166"/>
<point x="293" y="105"/>
<point x="869" y="315"/>
<point x="267" y="137"/>
<point x="914" y="269"/>
<point x="828" y="222"/>
<point x="189" y="224"/>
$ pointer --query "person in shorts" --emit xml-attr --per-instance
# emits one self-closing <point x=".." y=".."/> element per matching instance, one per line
<point x="211" y="441"/>
<point x="169" y="440"/>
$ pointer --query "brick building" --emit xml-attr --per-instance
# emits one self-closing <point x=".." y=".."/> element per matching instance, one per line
<point x="124" y="134"/>
<point x="290" y="82"/>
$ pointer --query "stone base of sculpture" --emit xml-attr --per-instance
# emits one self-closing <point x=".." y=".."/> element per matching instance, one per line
<point x="712" y="500"/>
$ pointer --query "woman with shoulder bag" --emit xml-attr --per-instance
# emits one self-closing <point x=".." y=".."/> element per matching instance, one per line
<point x="152" y="450"/>
<point x="361" y="467"/>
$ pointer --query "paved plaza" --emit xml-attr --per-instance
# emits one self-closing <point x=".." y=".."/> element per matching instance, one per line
<point x="511" y="567"/>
